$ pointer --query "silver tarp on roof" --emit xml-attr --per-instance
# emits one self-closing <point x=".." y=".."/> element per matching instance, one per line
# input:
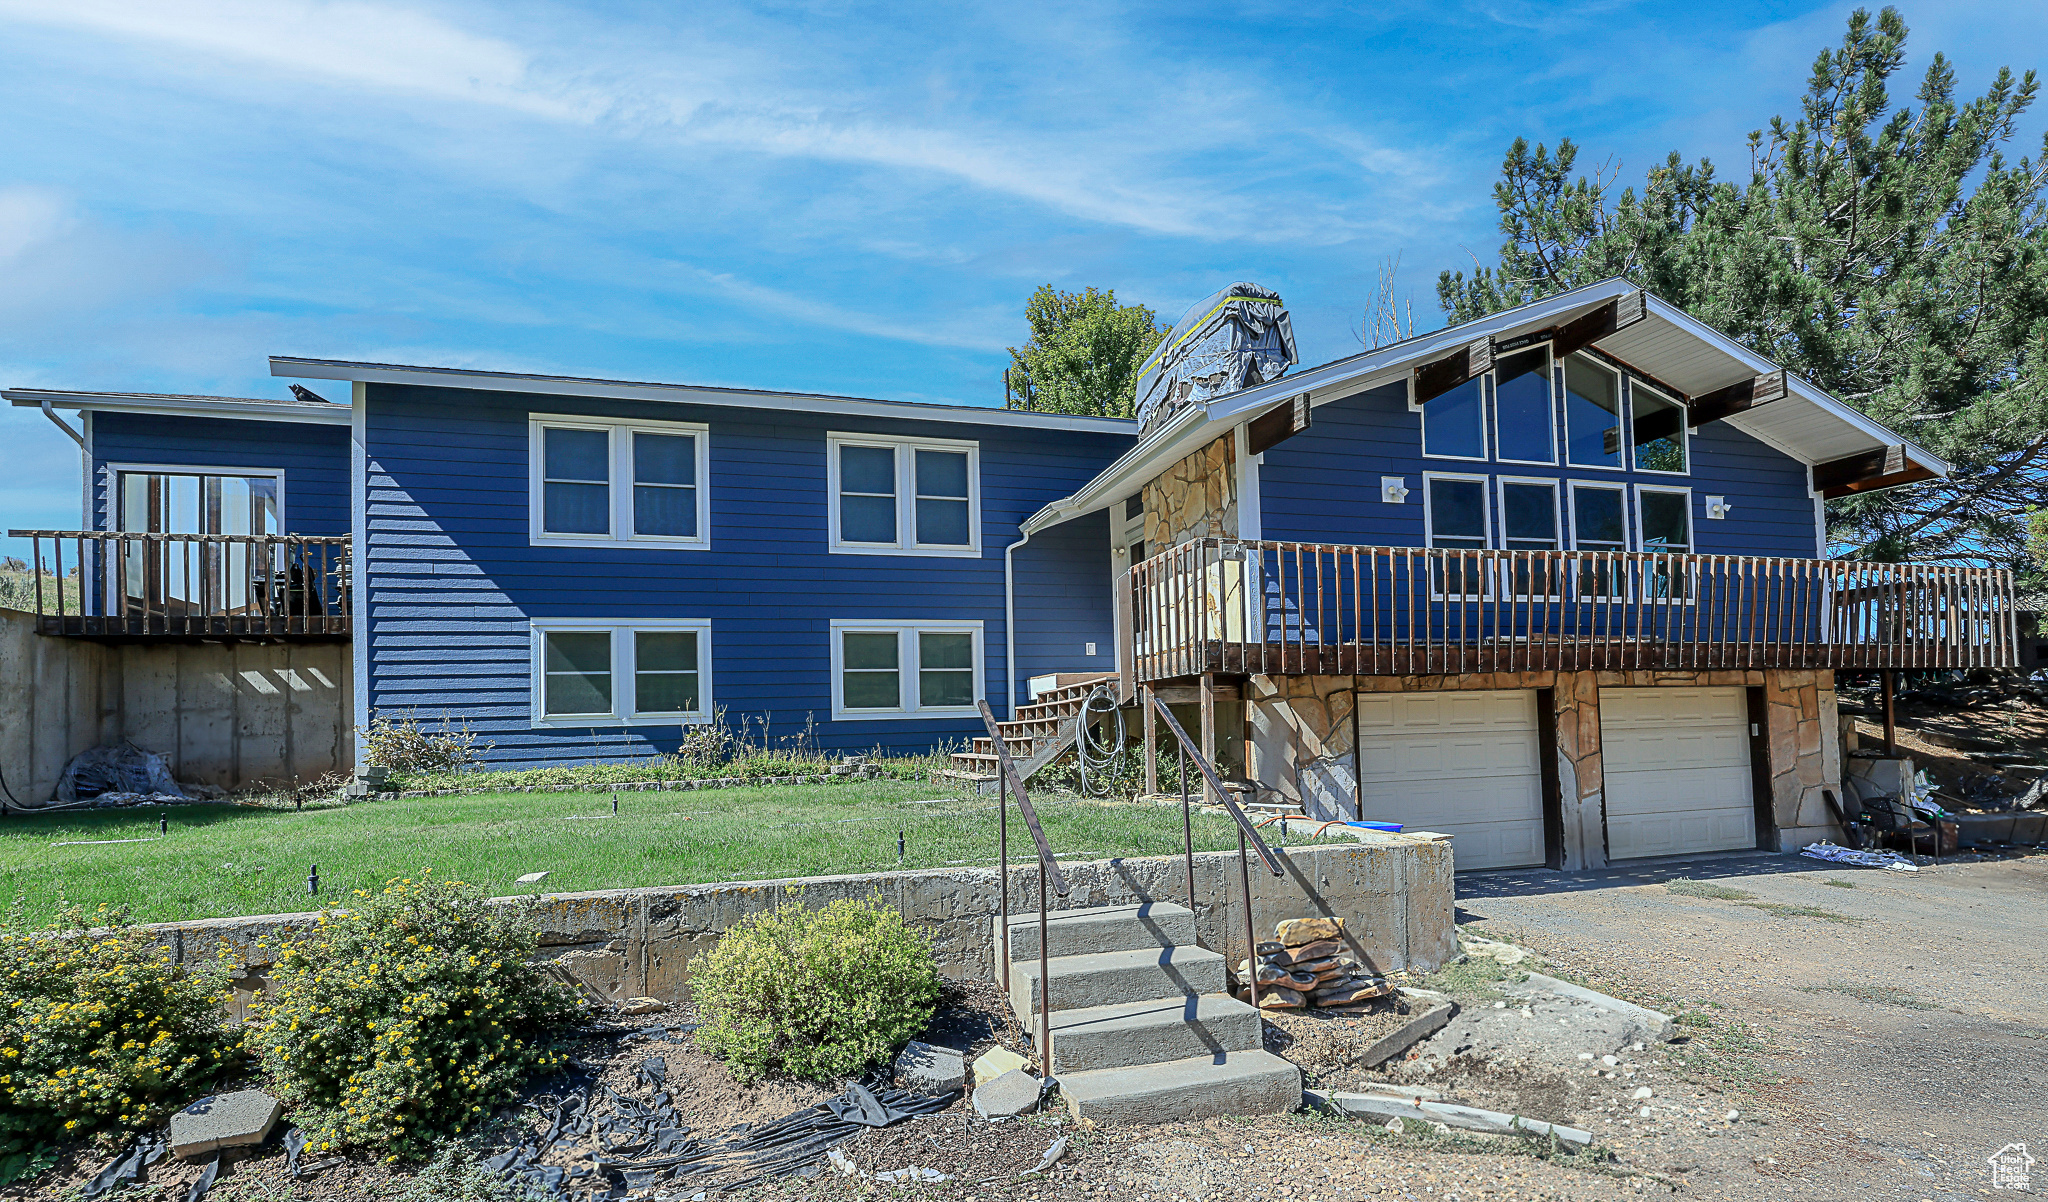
<point x="1238" y="338"/>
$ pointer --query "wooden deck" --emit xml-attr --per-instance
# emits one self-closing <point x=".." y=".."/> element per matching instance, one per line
<point x="132" y="587"/>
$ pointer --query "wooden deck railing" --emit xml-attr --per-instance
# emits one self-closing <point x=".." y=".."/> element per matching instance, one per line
<point x="216" y="586"/>
<point x="1275" y="608"/>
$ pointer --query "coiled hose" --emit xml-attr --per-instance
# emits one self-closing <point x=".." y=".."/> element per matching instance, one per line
<point x="1095" y="754"/>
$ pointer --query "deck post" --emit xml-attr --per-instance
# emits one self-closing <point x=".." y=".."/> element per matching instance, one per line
<point x="1151" y="741"/>
<point x="1209" y="733"/>
<point x="1891" y="726"/>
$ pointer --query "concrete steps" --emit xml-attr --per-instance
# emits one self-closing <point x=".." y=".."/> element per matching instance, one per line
<point x="1143" y="1030"/>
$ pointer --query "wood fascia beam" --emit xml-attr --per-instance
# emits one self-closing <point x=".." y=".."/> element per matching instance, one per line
<point x="1611" y="318"/>
<point x="1471" y="360"/>
<point x="1912" y="473"/>
<point x="1862" y="471"/>
<point x="1739" y="397"/>
<point x="1277" y="425"/>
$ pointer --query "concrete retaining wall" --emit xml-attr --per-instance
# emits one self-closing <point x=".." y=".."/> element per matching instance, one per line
<point x="235" y="715"/>
<point x="1394" y="893"/>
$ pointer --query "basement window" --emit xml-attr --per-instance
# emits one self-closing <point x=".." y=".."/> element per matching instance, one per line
<point x="905" y="669"/>
<point x="648" y="672"/>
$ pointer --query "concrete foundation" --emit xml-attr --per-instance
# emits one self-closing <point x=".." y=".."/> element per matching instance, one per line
<point x="236" y="715"/>
<point x="1393" y="892"/>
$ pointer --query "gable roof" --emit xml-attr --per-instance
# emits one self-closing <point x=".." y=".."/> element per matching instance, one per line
<point x="178" y="405"/>
<point x="634" y="390"/>
<point x="1807" y="424"/>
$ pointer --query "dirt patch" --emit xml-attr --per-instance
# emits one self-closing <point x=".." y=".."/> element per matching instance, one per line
<point x="1323" y="1042"/>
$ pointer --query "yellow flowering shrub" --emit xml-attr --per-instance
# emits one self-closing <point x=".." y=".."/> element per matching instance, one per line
<point x="814" y="993"/>
<point x="98" y="1029"/>
<point x="408" y="1018"/>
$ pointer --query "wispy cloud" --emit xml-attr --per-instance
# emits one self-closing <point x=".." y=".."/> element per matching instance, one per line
<point x="970" y="331"/>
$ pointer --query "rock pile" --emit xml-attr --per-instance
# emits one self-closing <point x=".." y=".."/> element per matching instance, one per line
<point x="1304" y="965"/>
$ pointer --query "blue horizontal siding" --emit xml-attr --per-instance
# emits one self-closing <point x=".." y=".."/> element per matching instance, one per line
<point x="452" y="583"/>
<point x="314" y="460"/>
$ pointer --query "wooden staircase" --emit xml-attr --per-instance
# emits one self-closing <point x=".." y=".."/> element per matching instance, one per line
<point x="1035" y="737"/>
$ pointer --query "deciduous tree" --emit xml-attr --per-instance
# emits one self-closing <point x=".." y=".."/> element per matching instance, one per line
<point x="1084" y="352"/>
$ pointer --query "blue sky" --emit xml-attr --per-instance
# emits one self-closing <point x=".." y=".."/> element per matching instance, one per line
<point x="828" y="196"/>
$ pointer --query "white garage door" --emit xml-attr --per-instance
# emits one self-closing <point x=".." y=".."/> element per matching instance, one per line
<point x="1676" y="763"/>
<point x="1461" y="763"/>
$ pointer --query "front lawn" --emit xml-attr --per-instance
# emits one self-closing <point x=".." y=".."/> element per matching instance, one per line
<point x="224" y="860"/>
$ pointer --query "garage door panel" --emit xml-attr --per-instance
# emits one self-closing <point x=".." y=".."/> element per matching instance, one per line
<point x="1676" y="769"/>
<point x="1461" y="763"/>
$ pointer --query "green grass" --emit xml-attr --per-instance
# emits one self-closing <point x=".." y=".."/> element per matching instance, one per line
<point x="1883" y="995"/>
<point x="1833" y="883"/>
<point x="226" y="860"/>
<point x="1787" y="910"/>
<point x="1690" y="888"/>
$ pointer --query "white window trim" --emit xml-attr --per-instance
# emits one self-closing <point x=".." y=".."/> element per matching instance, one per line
<point x="618" y="432"/>
<point x="1486" y="501"/>
<point x="1684" y="428"/>
<point x="1500" y="498"/>
<point x="1628" y="539"/>
<point x="1493" y="409"/>
<point x="906" y="632"/>
<point x="621" y="632"/>
<point x="906" y="495"/>
<point x="1621" y="424"/>
<point x="116" y="470"/>
<point x="1691" y="525"/>
<point x="1485" y="422"/>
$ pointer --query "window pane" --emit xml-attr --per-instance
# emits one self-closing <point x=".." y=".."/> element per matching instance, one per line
<point x="1659" y="431"/>
<point x="868" y="651"/>
<point x="871" y="691"/>
<point x="1592" y="415"/>
<point x="867" y="469"/>
<point x="1521" y="402"/>
<point x="1596" y="519"/>
<point x="577" y="455"/>
<point x="948" y="688"/>
<point x="867" y="519"/>
<point x="578" y="673"/>
<point x="664" y="459"/>
<point x="665" y="651"/>
<point x="945" y="651"/>
<point x="665" y="692"/>
<point x="942" y="474"/>
<point x="942" y="522"/>
<point x="661" y="510"/>
<point x="1667" y="522"/>
<point x="576" y="509"/>
<point x="1454" y="423"/>
<point x="1529" y="516"/>
<point x="1457" y="511"/>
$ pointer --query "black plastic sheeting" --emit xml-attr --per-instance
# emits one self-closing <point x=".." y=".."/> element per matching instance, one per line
<point x="116" y="768"/>
<point x="634" y="1144"/>
<point x="128" y="1167"/>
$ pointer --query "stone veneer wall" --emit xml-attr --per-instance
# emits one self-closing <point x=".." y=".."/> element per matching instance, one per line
<point x="1394" y="892"/>
<point x="1304" y="746"/>
<point x="1195" y="498"/>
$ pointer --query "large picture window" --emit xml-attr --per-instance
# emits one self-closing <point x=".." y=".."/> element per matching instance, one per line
<point x="905" y="669"/>
<point x="904" y="496"/>
<point x="601" y="482"/>
<point x="1657" y="428"/>
<point x="1525" y="420"/>
<point x="1592" y="414"/>
<point x="621" y="673"/>
<point x="1454" y="424"/>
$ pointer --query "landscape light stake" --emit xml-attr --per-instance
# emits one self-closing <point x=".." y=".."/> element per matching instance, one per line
<point x="615" y="803"/>
<point x="899" y="849"/>
<point x="163" y="825"/>
<point x="313" y="882"/>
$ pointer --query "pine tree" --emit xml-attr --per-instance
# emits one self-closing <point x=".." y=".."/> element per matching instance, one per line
<point x="1084" y="353"/>
<point x="1895" y="257"/>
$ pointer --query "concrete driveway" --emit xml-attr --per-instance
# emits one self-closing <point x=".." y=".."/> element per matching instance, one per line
<point x="1890" y="1029"/>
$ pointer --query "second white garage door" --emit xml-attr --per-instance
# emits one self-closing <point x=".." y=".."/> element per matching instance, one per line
<point x="1676" y="763"/>
<point x="1462" y="763"/>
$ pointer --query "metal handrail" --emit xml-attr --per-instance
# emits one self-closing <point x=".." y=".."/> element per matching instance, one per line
<point x="1008" y="781"/>
<point x="1245" y="830"/>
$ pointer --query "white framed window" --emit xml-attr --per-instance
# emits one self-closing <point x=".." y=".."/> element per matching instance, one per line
<point x="1524" y="410"/>
<point x="903" y="496"/>
<point x="612" y="672"/>
<point x="1657" y="428"/>
<point x="1664" y="526"/>
<point x="907" y="669"/>
<point x="607" y="482"/>
<point x="1600" y="523"/>
<point x="1531" y="520"/>
<point x="1592" y="414"/>
<point x="1454" y="423"/>
<point x="1455" y="515"/>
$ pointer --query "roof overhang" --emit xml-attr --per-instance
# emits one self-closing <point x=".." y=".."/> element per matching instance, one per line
<point x="1668" y="345"/>
<point x="234" y="408"/>
<point x="744" y="398"/>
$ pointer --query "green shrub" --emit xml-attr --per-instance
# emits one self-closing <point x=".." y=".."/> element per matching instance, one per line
<point x="98" y="1029"/>
<point x="814" y="993"/>
<point x="409" y="1017"/>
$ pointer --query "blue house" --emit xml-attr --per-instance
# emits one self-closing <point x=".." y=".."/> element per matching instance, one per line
<point x="1554" y="582"/>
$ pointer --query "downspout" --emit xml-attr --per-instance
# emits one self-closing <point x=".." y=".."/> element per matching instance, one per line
<point x="59" y="423"/>
<point x="1010" y="628"/>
